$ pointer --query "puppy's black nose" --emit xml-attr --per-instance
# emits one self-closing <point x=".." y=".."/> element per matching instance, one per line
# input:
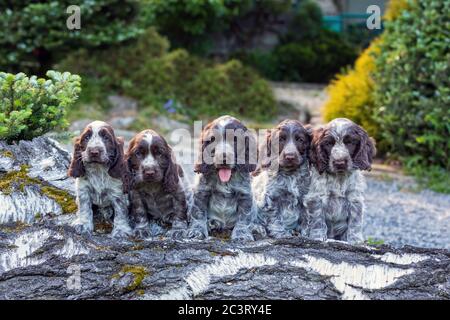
<point x="289" y="156"/>
<point x="94" y="152"/>
<point x="149" y="173"/>
<point x="340" y="164"/>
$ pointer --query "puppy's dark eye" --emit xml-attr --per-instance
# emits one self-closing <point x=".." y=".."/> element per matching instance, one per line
<point x="157" y="152"/>
<point x="86" y="137"/>
<point x="349" y="140"/>
<point x="282" y="138"/>
<point x="298" y="138"/>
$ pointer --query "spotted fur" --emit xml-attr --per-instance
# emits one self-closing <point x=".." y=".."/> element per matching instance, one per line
<point x="335" y="201"/>
<point x="101" y="179"/>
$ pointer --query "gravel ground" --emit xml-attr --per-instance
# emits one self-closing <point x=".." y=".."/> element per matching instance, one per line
<point x="402" y="217"/>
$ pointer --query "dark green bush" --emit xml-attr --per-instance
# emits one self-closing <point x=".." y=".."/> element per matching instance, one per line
<point x="30" y="107"/>
<point x="33" y="34"/>
<point x="307" y="52"/>
<point x="148" y="71"/>
<point x="313" y="60"/>
<point x="190" y="24"/>
<point x="413" y="84"/>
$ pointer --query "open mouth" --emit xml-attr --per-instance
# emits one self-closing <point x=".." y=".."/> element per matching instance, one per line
<point x="224" y="174"/>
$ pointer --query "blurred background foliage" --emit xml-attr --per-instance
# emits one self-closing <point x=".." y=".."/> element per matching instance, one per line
<point x="193" y="59"/>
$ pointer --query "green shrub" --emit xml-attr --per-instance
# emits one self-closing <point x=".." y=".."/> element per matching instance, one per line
<point x="231" y="88"/>
<point x="191" y="24"/>
<point x="30" y="107"/>
<point x="148" y="71"/>
<point x="314" y="60"/>
<point x="264" y="62"/>
<point x="307" y="22"/>
<point x="306" y="53"/>
<point x="33" y="34"/>
<point x="413" y="84"/>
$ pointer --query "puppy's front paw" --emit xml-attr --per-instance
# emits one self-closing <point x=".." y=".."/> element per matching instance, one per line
<point x="142" y="233"/>
<point x="176" y="234"/>
<point x="83" y="228"/>
<point x="242" y="236"/>
<point x="195" y="234"/>
<point x="121" y="233"/>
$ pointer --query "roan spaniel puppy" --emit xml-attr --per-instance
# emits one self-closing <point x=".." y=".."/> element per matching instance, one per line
<point x="335" y="202"/>
<point x="158" y="193"/>
<point x="101" y="182"/>
<point x="282" y="179"/>
<point x="223" y="198"/>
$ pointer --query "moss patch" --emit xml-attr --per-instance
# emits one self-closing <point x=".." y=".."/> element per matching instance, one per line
<point x="14" y="227"/>
<point x="139" y="273"/>
<point x="63" y="198"/>
<point x="18" y="180"/>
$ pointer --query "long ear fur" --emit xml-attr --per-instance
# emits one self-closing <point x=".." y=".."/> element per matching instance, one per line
<point x="316" y="154"/>
<point x="76" y="168"/>
<point x="200" y="166"/>
<point x="118" y="168"/>
<point x="171" y="177"/>
<point x="264" y="154"/>
<point x="366" y="152"/>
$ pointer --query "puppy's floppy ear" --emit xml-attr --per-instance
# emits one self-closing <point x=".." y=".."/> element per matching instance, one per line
<point x="265" y="153"/>
<point x="171" y="175"/>
<point x="200" y="166"/>
<point x="251" y="151"/>
<point x="76" y="168"/>
<point x="118" y="168"/>
<point x="317" y="155"/>
<point x="364" y="155"/>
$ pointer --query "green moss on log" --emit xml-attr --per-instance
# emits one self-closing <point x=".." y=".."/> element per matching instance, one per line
<point x="18" y="180"/>
<point x="139" y="273"/>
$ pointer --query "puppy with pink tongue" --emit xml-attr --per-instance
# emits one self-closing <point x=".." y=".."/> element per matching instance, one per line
<point x="223" y="201"/>
<point x="224" y="174"/>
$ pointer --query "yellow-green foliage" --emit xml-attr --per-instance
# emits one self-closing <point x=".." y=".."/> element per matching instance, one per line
<point x="18" y="180"/>
<point x="395" y="8"/>
<point x="351" y="94"/>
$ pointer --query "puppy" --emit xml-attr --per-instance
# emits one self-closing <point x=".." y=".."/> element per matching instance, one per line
<point x="223" y="199"/>
<point x="282" y="179"/>
<point x="335" y="203"/>
<point x="158" y="193"/>
<point x="101" y="182"/>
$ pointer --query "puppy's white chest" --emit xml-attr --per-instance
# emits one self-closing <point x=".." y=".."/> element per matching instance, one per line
<point x="102" y="187"/>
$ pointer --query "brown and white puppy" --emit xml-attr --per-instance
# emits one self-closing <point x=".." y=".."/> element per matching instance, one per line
<point x="335" y="201"/>
<point x="282" y="179"/>
<point x="101" y="183"/>
<point x="223" y="199"/>
<point x="158" y="193"/>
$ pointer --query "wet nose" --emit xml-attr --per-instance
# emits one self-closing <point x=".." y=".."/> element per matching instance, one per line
<point x="94" y="152"/>
<point x="289" y="156"/>
<point x="340" y="164"/>
<point x="149" y="172"/>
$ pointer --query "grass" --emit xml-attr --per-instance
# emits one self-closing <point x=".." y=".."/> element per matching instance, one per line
<point x="374" y="242"/>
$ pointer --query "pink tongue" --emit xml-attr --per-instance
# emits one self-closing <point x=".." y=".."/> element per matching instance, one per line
<point x="224" y="175"/>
